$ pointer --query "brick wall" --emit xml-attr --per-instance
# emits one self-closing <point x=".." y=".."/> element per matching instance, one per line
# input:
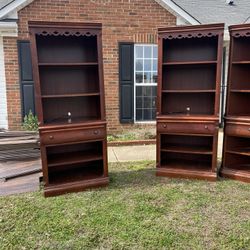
<point x="12" y="82"/>
<point x="123" y="20"/>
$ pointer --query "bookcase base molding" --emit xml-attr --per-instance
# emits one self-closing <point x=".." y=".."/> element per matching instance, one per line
<point x="186" y="174"/>
<point x="75" y="186"/>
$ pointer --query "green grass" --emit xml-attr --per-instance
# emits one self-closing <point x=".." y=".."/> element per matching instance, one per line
<point x="136" y="211"/>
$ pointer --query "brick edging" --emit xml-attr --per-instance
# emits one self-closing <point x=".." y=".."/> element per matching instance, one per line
<point x="131" y="143"/>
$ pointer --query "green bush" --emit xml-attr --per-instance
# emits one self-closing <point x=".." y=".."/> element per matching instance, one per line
<point x="30" y="122"/>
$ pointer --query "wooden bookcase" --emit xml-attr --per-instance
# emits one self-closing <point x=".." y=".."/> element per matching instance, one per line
<point x="236" y="155"/>
<point x="68" y="74"/>
<point x="190" y="60"/>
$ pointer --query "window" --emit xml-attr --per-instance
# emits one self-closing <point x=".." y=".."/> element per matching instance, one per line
<point x="145" y="75"/>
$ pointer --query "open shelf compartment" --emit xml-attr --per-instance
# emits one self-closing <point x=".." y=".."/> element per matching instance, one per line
<point x="186" y="144"/>
<point x="69" y="80"/>
<point x="85" y="108"/>
<point x="190" y="49"/>
<point x="186" y="162"/>
<point x="188" y="103"/>
<point x="187" y="77"/>
<point x="75" y="162"/>
<point x="66" y="49"/>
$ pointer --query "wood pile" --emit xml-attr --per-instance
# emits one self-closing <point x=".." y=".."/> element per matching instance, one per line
<point x="18" y="145"/>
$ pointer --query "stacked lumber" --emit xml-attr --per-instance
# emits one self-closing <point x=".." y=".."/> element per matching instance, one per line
<point x="18" y="145"/>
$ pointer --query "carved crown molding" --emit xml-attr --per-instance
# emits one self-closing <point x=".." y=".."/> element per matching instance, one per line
<point x="64" y="29"/>
<point x="67" y="33"/>
<point x="193" y="31"/>
<point x="182" y="35"/>
<point x="243" y="33"/>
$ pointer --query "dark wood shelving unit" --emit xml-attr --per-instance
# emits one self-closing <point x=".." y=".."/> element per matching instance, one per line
<point x="236" y="151"/>
<point x="69" y="90"/>
<point x="188" y="101"/>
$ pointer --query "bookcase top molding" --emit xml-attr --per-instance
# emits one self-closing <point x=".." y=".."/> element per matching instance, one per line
<point x="64" y="29"/>
<point x="241" y="30"/>
<point x="195" y="31"/>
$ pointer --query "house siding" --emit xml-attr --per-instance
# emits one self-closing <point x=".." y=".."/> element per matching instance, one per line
<point x="123" y="21"/>
<point x="3" y="95"/>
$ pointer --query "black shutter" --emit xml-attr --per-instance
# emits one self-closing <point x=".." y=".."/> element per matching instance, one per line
<point x="126" y="79"/>
<point x="26" y="78"/>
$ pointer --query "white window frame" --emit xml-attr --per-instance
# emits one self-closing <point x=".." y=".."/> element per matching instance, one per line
<point x="142" y="84"/>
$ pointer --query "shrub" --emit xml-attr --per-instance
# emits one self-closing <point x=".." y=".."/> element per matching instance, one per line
<point x="30" y="122"/>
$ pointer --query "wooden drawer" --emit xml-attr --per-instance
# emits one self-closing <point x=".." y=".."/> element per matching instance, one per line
<point x="73" y="135"/>
<point x="187" y="127"/>
<point x="238" y="129"/>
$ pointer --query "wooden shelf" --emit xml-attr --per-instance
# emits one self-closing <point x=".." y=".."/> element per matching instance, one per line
<point x="73" y="158"/>
<point x="187" y="149"/>
<point x="189" y="63"/>
<point x="71" y="95"/>
<point x="74" y="175"/>
<point x="239" y="151"/>
<point x="243" y="91"/>
<point x="69" y="64"/>
<point x="241" y="62"/>
<point x="240" y="167"/>
<point x="74" y="120"/>
<point x="187" y="165"/>
<point x="190" y="91"/>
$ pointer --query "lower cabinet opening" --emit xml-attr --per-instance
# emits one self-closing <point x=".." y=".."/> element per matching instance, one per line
<point x="75" y="162"/>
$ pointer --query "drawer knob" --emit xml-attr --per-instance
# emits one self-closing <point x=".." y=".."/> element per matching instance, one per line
<point x="206" y="127"/>
<point x="96" y="132"/>
<point x="249" y="129"/>
<point x="165" y="125"/>
<point x="51" y="137"/>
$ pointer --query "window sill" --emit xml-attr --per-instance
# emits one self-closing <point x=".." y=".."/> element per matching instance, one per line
<point x="145" y="122"/>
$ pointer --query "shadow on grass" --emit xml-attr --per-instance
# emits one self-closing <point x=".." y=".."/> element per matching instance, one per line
<point x="145" y="177"/>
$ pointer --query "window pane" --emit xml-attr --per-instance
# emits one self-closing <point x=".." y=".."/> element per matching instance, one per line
<point x="139" y="77"/>
<point x="139" y="51"/>
<point x="155" y="61"/>
<point x="145" y="103"/>
<point x="139" y="65"/>
<point x="147" y="64"/>
<point x="139" y="102"/>
<point x="154" y="77"/>
<point x="147" y="51"/>
<point x="139" y="116"/>
<point x="147" y="77"/>
<point x="155" y="52"/>
<point x="139" y="91"/>
<point x="153" y="114"/>
<point x="147" y="114"/>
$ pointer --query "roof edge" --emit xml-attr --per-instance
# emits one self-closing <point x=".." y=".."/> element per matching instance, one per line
<point x="178" y="11"/>
<point x="14" y="6"/>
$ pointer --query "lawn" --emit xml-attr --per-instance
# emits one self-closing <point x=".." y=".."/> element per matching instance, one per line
<point x="136" y="211"/>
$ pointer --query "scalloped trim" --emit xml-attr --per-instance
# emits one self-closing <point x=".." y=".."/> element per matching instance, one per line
<point x="67" y="33"/>
<point x="238" y="34"/>
<point x="181" y="35"/>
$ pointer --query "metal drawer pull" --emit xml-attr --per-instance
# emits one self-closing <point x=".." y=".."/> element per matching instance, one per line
<point x="51" y="137"/>
<point x="206" y="127"/>
<point x="96" y="132"/>
<point x="164" y="126"/>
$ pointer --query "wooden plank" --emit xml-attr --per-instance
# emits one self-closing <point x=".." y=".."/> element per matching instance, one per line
<point x="15" y="169"/>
